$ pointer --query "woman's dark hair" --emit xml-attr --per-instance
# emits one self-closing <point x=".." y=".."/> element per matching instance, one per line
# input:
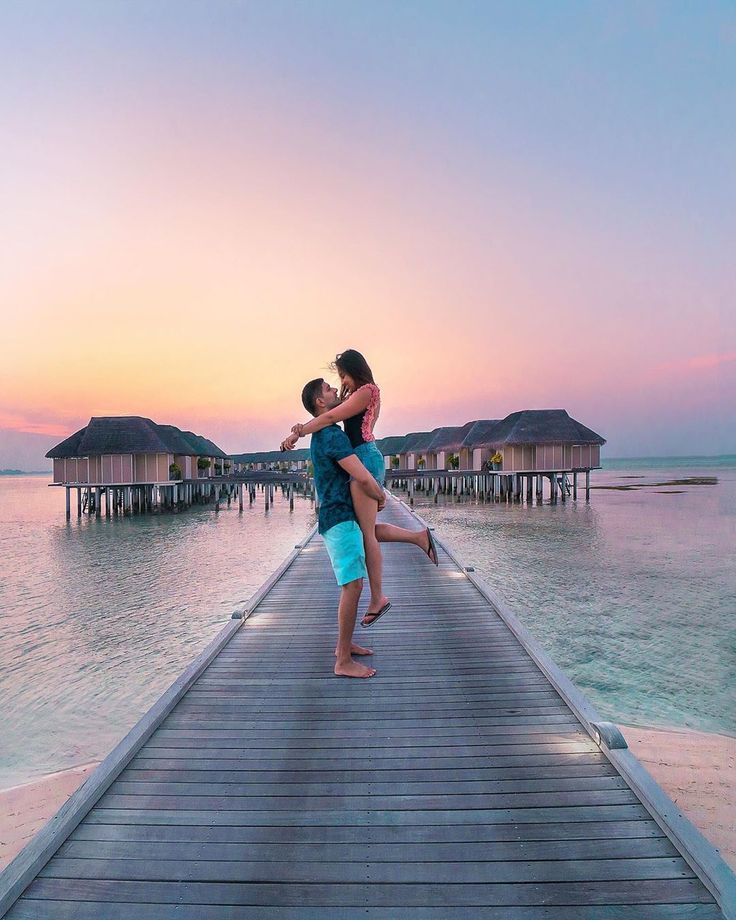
<point x="311" y="393"/>
<point x="353" y="363"/>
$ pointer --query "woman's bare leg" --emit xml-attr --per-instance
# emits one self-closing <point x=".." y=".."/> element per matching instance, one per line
<point x="390" y="533"/>
<point x="366" y="510"/>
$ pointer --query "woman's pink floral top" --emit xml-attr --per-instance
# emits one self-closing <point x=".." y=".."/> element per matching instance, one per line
<point x="359" y="428"/>
<point x="371" y="413"/>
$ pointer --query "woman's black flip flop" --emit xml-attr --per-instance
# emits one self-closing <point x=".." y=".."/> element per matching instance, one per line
<point x="432" y="549"/>
<point x="376" y="616"/>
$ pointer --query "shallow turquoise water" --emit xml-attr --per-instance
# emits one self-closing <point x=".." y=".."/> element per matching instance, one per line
<point x="634" y="596"/>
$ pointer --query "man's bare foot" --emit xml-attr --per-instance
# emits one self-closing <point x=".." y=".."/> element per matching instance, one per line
<point x="356" y="649"/>
<point x="353" y="669"/>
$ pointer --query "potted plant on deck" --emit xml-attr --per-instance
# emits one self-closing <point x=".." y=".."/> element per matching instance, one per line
<point x="496" y="460"/>
<point x="203" y="464"/>
<point x="395" y="463"/>
<point x="453" y="462"/>
<point x="174" y="471"/>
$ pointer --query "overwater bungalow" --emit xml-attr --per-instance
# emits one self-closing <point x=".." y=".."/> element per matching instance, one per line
<point x="445" y="445"/>
<point x="219" y="462"/>
<point x="413" y="452"/>
<point x="391" y="448"/>
<point x="533" y="440"/>
<point x="127" y="450"/>
<point x="134" y="462"/>
<point x="477" y="447"/>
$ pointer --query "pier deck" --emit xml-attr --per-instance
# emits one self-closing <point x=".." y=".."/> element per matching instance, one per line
<point x="458" y="782"/>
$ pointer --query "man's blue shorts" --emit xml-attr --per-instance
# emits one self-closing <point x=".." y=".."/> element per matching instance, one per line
<point x="344" y="544"/>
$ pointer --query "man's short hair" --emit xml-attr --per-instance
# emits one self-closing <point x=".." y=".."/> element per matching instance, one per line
<point x="311" y="393"/>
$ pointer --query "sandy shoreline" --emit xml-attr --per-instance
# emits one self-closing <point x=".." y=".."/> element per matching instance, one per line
<point x="25" y="809"/>
<point x="697" y="770"/>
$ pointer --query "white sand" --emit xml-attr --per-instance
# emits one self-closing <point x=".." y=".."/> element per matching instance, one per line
<point x="25" y="809"/>
<point x="697" y="770"/>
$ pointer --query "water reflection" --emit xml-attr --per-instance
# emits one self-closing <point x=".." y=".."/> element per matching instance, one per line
<point x="97" y="617"/>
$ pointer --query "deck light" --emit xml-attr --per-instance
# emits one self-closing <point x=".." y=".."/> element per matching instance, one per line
<point x="608" y="734"/>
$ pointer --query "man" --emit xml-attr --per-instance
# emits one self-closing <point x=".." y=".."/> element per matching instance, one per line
<point x="335" y="464"/>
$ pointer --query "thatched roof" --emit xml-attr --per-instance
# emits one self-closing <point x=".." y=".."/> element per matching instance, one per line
<point x="214" y="450"/>
<point x="125" y="434"/>
<point x="418" y="441"/>
<point x="480" y="433"/>
<point x="175" y="439"/>
<point x="202" y="447"/>
<point x="391" y="445"/>
<point x="450" y="438"/>
<point x="539" y="426"/>
<point x="68" y="447"/>
<point x="132" y="434"/>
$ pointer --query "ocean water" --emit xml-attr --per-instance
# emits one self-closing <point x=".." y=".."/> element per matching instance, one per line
<point x="634" y="595"/>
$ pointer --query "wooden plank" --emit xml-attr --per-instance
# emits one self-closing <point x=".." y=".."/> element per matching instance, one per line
<point x="336" y="817"/>
<point x="224" y="726"/>
<point x="284" y="873"/>
<point x="570" y="763"/>
<point x="265" y="739"/>
<point x="188" y="772"/>
<point x="412" y="734"/>
<point x="373" y="834"/>
<point x="358" y="803"/>
<point x="644" y="891"/>
<point x="359" y="852"/>
<point x="186" y="784"/>
<point x="27" y="909"/>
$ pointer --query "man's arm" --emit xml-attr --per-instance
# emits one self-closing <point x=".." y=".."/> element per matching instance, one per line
<point x="360" y="474"/>
<point x="353" y="405"/>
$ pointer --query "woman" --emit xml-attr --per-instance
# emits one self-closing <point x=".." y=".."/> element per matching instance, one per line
<point x="359" y="411"/>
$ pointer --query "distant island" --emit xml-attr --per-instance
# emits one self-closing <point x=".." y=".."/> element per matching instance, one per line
<point x="25" y="472"/>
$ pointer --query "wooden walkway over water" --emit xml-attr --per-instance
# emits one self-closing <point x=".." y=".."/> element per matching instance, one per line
<point x="458" y="782"/>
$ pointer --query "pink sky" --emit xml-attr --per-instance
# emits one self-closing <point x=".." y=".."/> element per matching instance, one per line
<point x="192" y="243"/>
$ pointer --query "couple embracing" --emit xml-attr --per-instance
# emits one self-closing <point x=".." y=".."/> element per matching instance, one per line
<point x="349" y="472"/>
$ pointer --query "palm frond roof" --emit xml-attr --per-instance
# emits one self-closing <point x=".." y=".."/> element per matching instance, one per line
<point x="541" y="426"/>
<point x="480" y="433"/>
<point x="450" y="438"/>
<point x="392" y="444"/>
<point x="418" y="441"/>
<point x="131" y="434"/>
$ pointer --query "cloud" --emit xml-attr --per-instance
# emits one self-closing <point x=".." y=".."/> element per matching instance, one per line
<point x="699" y="362"/>
<point x="35" y="423"/>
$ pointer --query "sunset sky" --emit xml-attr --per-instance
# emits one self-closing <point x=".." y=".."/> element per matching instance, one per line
<point x="503" y="205"/>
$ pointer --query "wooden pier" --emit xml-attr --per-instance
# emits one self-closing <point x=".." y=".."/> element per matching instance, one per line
<point x="492" y="485"/>
<point x="142" y="498"/>
<point x="468" y="779"/>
